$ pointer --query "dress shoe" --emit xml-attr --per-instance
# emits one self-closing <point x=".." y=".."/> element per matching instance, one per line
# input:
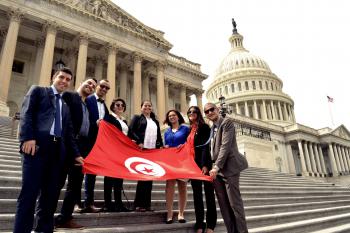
<point x="69" y="224"/>
<point x="140" y="209"/>
<point x="90" y="209"/>
<point x="169" y="221"/>
<point x="108" y="209"/>
<point x="181" y="220"/>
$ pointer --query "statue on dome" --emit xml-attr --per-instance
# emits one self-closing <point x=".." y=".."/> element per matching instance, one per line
<point x="234" y="26"/>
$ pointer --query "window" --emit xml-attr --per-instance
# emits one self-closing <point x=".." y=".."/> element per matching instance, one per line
<point x="246" y="85"/>
<point x="239" y="87"/>
<point x="232" y="88"/>
<point x="260" y="85"/>
<point x="226" y="90"/>
<point x="271" y="86"/>
<point x="177" y="106"/>
<point x="267" y="85"/>
<point x="18" y="66"/>
<point x="254" y="87"/>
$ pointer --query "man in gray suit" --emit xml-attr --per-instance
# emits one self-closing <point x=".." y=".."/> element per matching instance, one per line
<point x="228" y="163"/>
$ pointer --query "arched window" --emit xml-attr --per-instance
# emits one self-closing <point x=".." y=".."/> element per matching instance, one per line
<point x="254" y="87"/>
<point x="226" y="90"/>
<point x="260" y="85"/>
<point x="271" y="86"/>
<point x="267" y="85"/>
<point x="246" y="85"/>
<point x="232" y="88"/>
<point x="239" y="87"/>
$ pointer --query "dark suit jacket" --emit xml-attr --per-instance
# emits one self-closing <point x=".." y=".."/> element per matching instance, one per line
<point x="202" y="153"/>
<point x="225" y="150"/>
<point x="91" y="104"/>
<point x="137" y="129"/>
<point x="73" y="100"/>
<point x="111" y="119"/>
<point x="37" y="116"/>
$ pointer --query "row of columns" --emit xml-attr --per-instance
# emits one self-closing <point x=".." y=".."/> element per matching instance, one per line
<point x="340" y="158"/>
<point x="311" y="159"/>
<point x="44" y="61"/>
<point x="268" y="111"/>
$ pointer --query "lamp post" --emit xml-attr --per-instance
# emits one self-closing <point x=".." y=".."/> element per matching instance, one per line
<point x="223" y="109"/>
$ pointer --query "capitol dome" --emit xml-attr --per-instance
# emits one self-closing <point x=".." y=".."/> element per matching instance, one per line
<point x="250" y="87"/>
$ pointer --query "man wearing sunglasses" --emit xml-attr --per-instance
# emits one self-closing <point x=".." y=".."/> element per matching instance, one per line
<point x="97" y="110"/>
<point x="227" y="165"/>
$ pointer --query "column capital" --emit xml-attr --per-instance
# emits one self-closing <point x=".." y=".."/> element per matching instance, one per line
<point x="50" y="27"/>
<point x="40" y="42"/>
<point x="137" y="57"/>
<point x="83" y="38"/>
<point x="15" y="14"/>
<point x="160" y="65"/>
<point x="111" y="48"/>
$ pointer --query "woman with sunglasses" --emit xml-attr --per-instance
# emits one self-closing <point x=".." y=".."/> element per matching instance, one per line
<point x="116" y="118"/>
<point x="145" y="131"/>
<point x="198" y="137"/>
<point x="175" y="136"/>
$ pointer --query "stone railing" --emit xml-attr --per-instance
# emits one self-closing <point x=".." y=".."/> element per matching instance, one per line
<point x="184" y="62"/>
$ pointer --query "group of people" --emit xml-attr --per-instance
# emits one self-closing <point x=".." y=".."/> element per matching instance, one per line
<point x="58" y="129"/>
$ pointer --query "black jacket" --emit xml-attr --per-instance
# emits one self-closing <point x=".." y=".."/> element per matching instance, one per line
<point x="74" y="102"/>
<point x="111" y="119"/>
<point x="137" y="129"/>
<point x="202" y="153"/>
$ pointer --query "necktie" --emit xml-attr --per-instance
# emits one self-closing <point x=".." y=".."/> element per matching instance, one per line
<point x="58" y="127"/>
<point x="100" y="100"/>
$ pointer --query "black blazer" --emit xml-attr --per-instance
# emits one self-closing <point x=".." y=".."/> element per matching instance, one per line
<point x="202" y="153"/>
<point x="37" y="116"/>
<point x="111" y="119"/>
<point x="74" y="101"/>
<point x="137" y="129"/>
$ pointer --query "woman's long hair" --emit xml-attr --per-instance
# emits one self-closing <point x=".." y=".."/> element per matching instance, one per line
<point x="200" y="118"/>
<point x="179" y="116"/>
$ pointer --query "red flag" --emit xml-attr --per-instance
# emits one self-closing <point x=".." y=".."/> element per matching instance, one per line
<point x="330" y="99"/>
<point x="115" y="155"/>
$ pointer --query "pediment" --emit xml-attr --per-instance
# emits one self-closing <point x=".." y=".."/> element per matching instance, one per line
<point x="341" y="132"/>
<point x="111" y="13"/>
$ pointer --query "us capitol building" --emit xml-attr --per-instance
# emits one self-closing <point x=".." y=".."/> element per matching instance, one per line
<point x="96" y="38"/>
<point x="267" y="131"/>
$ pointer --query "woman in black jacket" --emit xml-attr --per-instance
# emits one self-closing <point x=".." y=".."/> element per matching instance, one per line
<point x="145" y="131"/>
<point x="118" y="107"/>
<point x="199" y="136"/>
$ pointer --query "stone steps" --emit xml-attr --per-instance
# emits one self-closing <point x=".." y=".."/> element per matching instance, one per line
<point x="274" y="202"/>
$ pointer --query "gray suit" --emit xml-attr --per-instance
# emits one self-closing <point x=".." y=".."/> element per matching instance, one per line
<point x="230" y="163"/>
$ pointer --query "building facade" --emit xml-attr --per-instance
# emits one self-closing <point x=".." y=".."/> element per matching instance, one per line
<point x="95" y="38"/>
<point x="267" y="131"/>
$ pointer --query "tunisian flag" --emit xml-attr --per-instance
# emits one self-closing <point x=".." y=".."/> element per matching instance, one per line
<point x="115" y="155"/>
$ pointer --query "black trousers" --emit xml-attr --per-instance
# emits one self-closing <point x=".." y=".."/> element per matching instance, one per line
<point x="75" y="179"/>
<point x="143" y="194"/>
<point x="211" y="216"/>
<point x="40" y="178"/>
<point x="116" y="185"/>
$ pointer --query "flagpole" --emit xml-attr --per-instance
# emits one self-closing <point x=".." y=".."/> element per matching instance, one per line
<point x="330" y="113"/>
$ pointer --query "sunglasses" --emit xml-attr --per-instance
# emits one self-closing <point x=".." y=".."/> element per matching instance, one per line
<point x="192" y="112"/>
<point x="120" y="105"/>
<point x="104" y="87"/>
<point x="209" y="110"/>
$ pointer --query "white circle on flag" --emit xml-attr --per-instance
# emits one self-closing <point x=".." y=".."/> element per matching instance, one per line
<point x="139" y="165"/>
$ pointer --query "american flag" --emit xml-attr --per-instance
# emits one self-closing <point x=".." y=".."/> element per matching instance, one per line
<point x="330" y="99"/>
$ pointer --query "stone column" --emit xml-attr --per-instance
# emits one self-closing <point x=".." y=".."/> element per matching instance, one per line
<point x="46" y="65"/>
<point x="3" y="33"/>
<point x="340" y="160"/>
<point x="308" y="161"/>
<point x="123" y="81"/>
<point x="166" y="90"/>
<point x="246" y="111"/>
<point x="199" y="100"/>
<point x="273" y="111"/>
<point x="112" y="50"/>
<point x="160" y="89"/>
<point x="145" y="86"/>
<point x="238" y="109"/>
<point x="264" y="114"/>
<point x="323" y="165"/>
<point x="99" y="62"/>
<point x="333" y="161"/>
<point x="292" y="113"/>
<point x="280" y="110"/>
<point x="346" y="154"/>
<point x="302" y="158"/>
<point x="82" y="59"/>
<point x="183" y="99"/>
<point x="312" y="158"/>
<point x="285" y="112"/>
<point x="39" y="43"/>
<point x="7" y="57"/>
<point x="317" y="157"/>
<point x="255" y="115"/>
<point x="137" y="81"/>
<point x="291" y="162"/>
